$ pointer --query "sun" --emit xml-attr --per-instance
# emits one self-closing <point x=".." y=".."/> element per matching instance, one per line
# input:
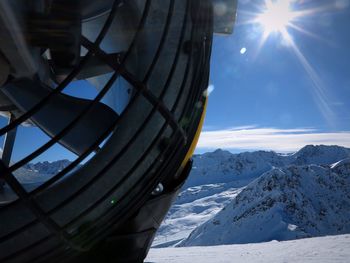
<point x="276" y="17"/>
<point x="282" y="19"/>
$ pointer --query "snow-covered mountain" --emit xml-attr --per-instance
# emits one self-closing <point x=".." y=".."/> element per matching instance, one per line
<point x="284" y="203"/>
<point x="222" y="166"/>
<point x="33" y="173"/>
<point x="48" y="167"/>
<point x="320" y="154"/>
<point x="217" y="177"/>
<point x="31" y="176"/>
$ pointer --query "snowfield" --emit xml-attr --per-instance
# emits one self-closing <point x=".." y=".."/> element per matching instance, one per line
<point x="330" y="249"/>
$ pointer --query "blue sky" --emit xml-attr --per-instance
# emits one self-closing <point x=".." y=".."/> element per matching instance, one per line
<point x="272" y="87"/>
<point x="286" y="91"/>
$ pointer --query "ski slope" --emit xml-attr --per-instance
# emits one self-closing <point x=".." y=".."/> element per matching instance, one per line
<point x="330" y="249"/>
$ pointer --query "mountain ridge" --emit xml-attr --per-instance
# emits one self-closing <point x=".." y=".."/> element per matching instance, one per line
<point x="283" y="204"/>
<point x="251" y="164"/>
<point x="217" y="177"/>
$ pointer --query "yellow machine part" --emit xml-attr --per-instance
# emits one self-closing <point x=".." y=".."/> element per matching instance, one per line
<point x="196" y="137"/>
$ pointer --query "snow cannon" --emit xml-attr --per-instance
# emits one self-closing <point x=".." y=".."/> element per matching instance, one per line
<point x="121" y="87"/>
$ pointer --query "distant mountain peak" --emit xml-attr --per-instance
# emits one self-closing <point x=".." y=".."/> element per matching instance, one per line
<point x="320" y="154"/>
<point x="36" y="173"/>
<point x="311" y="148"/>
<point x="218" y="153"/>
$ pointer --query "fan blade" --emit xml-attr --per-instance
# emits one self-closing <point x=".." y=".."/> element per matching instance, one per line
<point x="59" y="112"/>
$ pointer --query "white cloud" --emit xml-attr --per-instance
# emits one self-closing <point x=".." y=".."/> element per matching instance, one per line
<point x="280" y="140"/>
<point x="246" y="127"/>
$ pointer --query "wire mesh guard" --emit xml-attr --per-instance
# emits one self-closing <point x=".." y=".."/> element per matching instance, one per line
<point x="161" y="61"/>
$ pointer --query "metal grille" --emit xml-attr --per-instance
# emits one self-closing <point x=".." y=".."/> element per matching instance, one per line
<point x="53" y="222"/>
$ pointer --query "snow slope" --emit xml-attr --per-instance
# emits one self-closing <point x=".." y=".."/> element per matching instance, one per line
<point x="193" y="207"/>
<point x="330" y="249"/>
<point x="283" y="204"/>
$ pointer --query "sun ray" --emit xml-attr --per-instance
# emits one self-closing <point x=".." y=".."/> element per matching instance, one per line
<point x="319" y="91"/>
<point x="315" y="11"/>
<point x="304" y="31"/>
<point x="310" y="34"/>
<point x="275" y="18"/>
